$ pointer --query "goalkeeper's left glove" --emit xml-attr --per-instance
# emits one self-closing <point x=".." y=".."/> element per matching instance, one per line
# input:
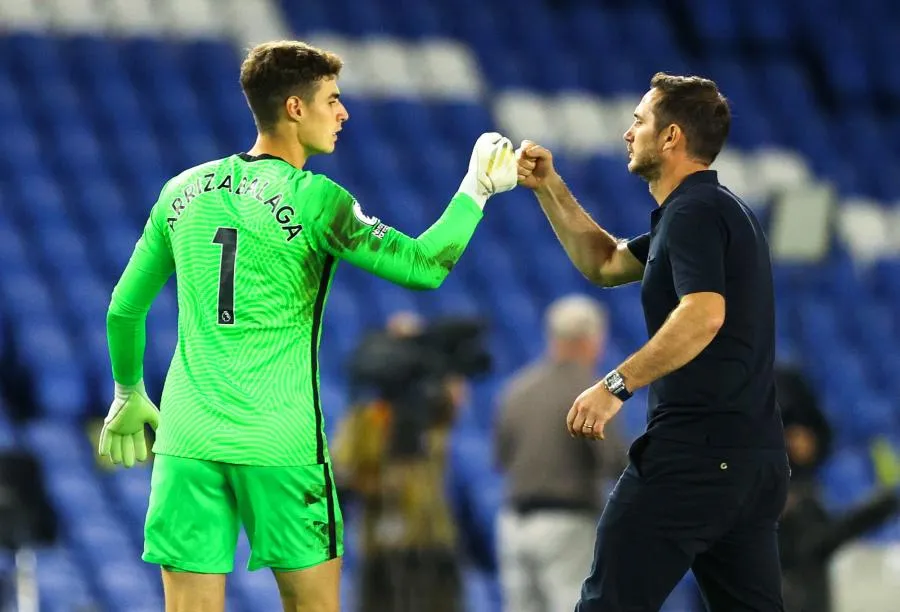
<point x="122" y="436"/>
<point x="492" y="168"/>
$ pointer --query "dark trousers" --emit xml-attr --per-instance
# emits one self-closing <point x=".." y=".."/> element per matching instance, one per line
<point x="678" y="507"/>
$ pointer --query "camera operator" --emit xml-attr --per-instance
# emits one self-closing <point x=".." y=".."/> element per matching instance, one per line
<point x="390" y="455"/>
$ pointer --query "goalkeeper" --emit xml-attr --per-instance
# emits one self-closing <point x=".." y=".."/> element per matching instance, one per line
<point x="255" y="239"/>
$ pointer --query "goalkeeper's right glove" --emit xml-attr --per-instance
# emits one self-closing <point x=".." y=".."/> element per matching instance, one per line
<point x="492" y="168"/>
<point x="122" y="436"/>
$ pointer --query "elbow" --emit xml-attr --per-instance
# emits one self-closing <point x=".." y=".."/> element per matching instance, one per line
<point x="714" y="317"/>
<point x="599" y="269"/>
<point x="437" y="273"/>
<point x="593" y="275"/>
<point x="120" y="313"/>
<point x="711" y="325"/>
<point x="600" y="276"/>
<point x="596" y="264"/>
<point x="429" y="283"/>
<point x="114" y="313"/>
<point x="706" y="313"/>
<point x="593" y="271"/>
<point x="435" y="282"/>
<point x="711" y="321"/>
<point x="603" y="280"/>
<point x="116" y="319"/>
<point x="714" y="322"/>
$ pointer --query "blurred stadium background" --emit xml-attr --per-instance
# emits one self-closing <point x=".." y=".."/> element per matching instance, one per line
<point x="102" y="100"/>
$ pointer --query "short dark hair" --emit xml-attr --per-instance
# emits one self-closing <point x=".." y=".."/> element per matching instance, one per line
<point x="698" y="108"/>
<point x="274" y="71"/>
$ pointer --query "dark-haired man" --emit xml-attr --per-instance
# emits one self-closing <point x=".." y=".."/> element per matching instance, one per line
<point x="255" y="239"/>
<point x="707" y="480"/>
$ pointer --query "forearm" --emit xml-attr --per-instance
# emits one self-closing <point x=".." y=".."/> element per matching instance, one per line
<point x="682" y="337"/>
<point x="126" y="318"/>
<point x="587" y="244"/>
<point x="423" y="262"/>
<point x="126" y="338"/>
<point x="441" y="245"/>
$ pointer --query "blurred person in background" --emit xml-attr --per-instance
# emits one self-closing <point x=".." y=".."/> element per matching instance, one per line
<point x="555" y="484"/>
<point x="807" y="432"/>
<point x="808" y="437"/>
<point x="809" y="535"/>
<point x="408" y="536"/>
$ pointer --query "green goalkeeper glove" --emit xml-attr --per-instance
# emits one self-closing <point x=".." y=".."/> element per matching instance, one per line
<point x="492" y="168"/>
<point x="122" y="436"/>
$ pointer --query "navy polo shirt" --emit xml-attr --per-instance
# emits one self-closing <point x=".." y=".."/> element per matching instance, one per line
<point x="705" y="239"/>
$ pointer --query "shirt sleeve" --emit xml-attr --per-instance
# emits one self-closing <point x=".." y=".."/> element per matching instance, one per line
<point x="696" y="248"/>
<point x="339" y="226"/>
<point x="150" y="266"/>
<point x="640" y="247"/>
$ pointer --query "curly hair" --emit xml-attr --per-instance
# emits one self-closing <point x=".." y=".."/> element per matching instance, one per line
<point x="274" y="71"/>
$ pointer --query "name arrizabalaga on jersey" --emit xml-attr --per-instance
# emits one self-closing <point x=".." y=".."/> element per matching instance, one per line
<point x="284" y="213"/>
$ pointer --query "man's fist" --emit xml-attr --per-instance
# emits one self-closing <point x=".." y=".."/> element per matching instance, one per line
<point x="535" y="164"/>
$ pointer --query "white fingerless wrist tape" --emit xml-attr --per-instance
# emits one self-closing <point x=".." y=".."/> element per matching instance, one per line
<point x="470" y="187"/>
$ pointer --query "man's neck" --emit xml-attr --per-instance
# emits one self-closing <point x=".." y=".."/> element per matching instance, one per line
<point x="280" y="145"/>
<point x="671" y="178"/>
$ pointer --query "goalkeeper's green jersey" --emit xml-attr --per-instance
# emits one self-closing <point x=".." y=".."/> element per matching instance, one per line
<point x="253" y="243"/>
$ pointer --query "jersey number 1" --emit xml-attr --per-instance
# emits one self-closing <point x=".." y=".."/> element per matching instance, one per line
<point x="227" y="237"/>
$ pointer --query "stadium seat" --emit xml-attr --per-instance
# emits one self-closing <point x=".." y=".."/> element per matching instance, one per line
<point x="100" y="103"/>
<point x="61" y="582"/>
<point x="847" y="478"/>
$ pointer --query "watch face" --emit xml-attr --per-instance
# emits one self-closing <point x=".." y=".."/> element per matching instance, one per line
<point x="613" y="381"/>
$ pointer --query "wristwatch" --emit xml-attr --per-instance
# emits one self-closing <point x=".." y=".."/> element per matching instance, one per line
<point x="616" y="385"/>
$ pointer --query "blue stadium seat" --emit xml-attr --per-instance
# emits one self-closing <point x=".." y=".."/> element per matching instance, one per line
<point x="33" y="58"/>
<point x="63" y="252"/>
<point x="117" y="108"/>
<point x="43" y="196"/>
<point x="417" y="21"/>
<point x="28" y="297"/>
<point x="131" y="490"/>
<point x="847" y="477"/>
<point x="95" y="123"/>
<point x="315" y="17"/>
<point x="61" y="582"/>
<point x="767" y="24"/>
<point x="58" y="379"/>
<point x="125" y="586"/>
<point x="10" y="101"/>
<point x="13" y="253"/>
<point x="7" y="430"/>
<point x="715" y="23"/>
<point x="848" y="73"/>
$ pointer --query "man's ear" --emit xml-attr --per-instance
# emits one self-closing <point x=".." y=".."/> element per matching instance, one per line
<point x="293" y="106"/>
<point x="672" y="135"/>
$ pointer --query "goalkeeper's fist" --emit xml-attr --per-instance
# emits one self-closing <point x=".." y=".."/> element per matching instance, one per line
<point x="492" y="168"/>
<point x="122" y="437"/>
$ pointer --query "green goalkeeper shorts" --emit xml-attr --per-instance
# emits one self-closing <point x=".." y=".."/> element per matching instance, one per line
<point x="290" y="514"/>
